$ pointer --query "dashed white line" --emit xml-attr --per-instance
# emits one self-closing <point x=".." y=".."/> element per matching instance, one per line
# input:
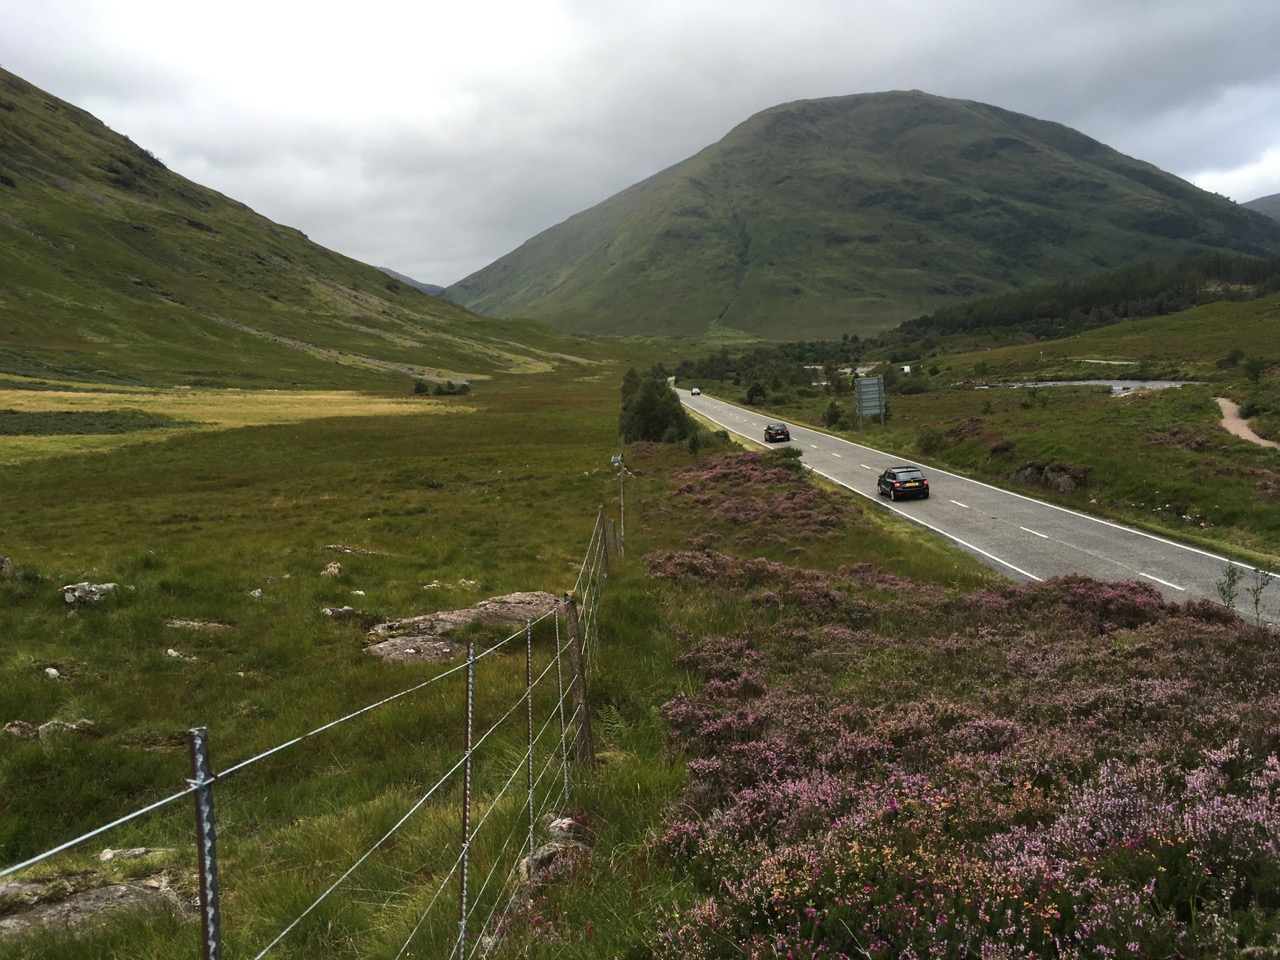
<point x="865" y="467"/>
<point x="1171" y="586"/>
<point x="1043" y="536"/>
<point x="836" y="455"/>
<point x="959" y="504"/>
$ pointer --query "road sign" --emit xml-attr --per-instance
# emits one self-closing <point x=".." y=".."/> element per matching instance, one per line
<point x="868" y="392"/>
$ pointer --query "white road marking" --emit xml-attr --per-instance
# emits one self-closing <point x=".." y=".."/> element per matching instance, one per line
<point x="1044" y="536"/>
<point x="1172" y="586"/>
<point x="929" y="526"/>
<point x="959" y="504"/>
<point x="836" y="455"/>
<point x="865" y="467"/>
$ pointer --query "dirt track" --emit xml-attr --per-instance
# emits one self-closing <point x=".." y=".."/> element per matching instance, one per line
<point x="1232" y="422"/>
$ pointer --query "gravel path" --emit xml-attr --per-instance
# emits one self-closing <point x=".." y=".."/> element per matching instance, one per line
<point x="1232" y="422"/>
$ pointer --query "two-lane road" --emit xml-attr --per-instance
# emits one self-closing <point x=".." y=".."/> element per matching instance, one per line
<point x="1022" y="537"/>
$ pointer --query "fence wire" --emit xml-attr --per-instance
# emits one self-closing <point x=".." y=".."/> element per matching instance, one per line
<point x="554" y="766"/>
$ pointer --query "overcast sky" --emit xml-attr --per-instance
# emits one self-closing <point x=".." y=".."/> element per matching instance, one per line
<point x="433" y="138"/>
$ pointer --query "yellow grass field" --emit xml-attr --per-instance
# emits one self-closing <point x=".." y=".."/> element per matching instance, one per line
<point x="208" y="409"/>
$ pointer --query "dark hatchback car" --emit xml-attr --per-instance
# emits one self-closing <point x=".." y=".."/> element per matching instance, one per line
<point x="776" y="433"/>
<point x="904" y="481"/>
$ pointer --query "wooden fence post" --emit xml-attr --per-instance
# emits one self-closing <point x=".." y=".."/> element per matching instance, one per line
<point x="602" y="528"/>
<point x="582" y="710"/>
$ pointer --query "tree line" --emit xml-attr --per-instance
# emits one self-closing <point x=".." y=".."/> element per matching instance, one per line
<point x="1141" y="290"/>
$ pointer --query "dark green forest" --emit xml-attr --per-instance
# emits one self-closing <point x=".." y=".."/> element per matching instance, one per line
<point x="1142" y="290"/>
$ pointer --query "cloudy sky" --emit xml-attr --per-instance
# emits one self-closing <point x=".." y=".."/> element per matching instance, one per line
<point x="434" y="137"/>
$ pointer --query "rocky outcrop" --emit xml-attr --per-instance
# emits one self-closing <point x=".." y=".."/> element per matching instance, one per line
<point x="26" y="731"/>
<point x="1054" y="475"/>
<point x="565" y="852"/>
<point x="429" y="637"/>
<point x="73" y="903"/>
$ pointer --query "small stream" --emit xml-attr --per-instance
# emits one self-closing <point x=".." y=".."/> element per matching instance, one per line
<point x="1117" y="386"/>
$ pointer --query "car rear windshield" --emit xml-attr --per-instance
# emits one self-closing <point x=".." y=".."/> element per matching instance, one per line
<point x="910" y="475"/>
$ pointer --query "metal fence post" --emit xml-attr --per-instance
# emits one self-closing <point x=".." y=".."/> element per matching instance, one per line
<point x="206" y="841"/>
<point x="466" y="803"/>
<point x="582" y="710"/>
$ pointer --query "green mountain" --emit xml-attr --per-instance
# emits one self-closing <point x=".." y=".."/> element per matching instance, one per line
<point x="116" y="269"/>
<point x="850" y="215"/>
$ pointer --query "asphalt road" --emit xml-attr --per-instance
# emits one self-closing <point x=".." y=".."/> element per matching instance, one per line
<point x="1024" y="538"/>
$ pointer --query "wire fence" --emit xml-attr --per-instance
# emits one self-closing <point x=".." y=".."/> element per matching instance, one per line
<point x="555" y="714"/>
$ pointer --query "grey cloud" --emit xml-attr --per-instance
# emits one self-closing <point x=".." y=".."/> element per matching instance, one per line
<point x="439" y="189"/>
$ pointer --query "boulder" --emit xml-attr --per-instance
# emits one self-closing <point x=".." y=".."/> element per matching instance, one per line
<point x="340" y="613"/>
<point x="55" y="727"/>
<point x="86" y="592"/>
<point x="21" y="729"/>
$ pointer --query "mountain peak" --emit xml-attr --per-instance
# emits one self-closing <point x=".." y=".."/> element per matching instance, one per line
<point x="850" y="214"/>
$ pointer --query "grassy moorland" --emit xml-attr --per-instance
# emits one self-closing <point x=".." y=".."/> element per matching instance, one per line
<point x="819" y="731"/>
<point x="243" y="492"/>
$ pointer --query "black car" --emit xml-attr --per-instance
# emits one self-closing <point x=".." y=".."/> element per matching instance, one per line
<point x="903" y="481"/>
<point x="776" y="433"/>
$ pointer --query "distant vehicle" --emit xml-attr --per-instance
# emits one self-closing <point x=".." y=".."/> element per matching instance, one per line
<point x="695" y="392"/>
<point x="904" y="481"/>
<point x="776" y="433"/>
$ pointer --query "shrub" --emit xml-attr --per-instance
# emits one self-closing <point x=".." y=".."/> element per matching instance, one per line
<point x="931" y="441"/>
<point x="651" y="410"/>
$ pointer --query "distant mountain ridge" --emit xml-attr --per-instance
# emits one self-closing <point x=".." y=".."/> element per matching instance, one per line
<point x="429" y="288"/>
<point x="850" y="215"/>
<point x="1270" y="206"/>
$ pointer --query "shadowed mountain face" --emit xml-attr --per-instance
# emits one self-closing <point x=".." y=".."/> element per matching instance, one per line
<point x="114" y="268"/>
<point x="851" y="214"/>
<point x="1266" y="205"/>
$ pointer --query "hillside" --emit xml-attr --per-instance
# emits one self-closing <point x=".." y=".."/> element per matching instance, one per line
<point x="116" y="269"/>
<point x="434" y="289"/>
<point x="1270" y="206"/>
<point x="852" y="214"/>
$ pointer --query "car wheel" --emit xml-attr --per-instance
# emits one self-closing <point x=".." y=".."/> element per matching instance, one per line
<point x="893" y="495"/>
<point x="924" y="496"/>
